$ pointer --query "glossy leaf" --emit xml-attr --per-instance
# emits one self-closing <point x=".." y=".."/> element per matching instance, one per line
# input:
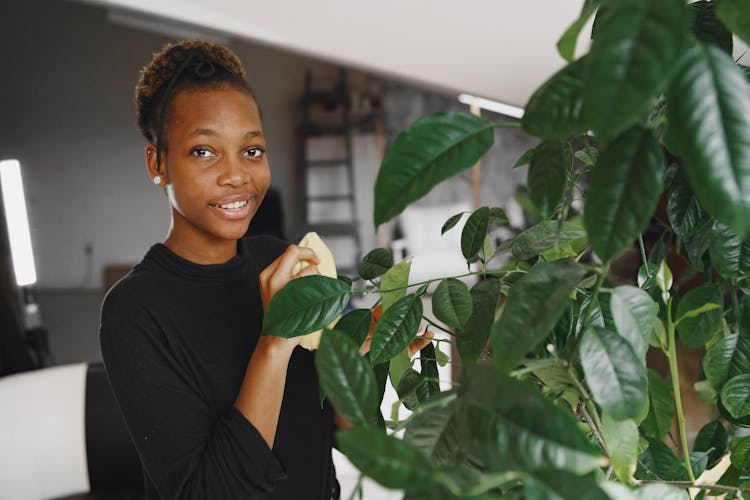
<point x="474" y="232"/>
<point x="658" y="462"/>
<point x="707" y="27"/>
<point x="412" y="388"/>
<point x="736" y="396"/>
<point x="621" y="437"/>
<point x="393" y="283"/>
<point x="588" y="156"/>
<point x="398" y="365"/>
<point x="616" y="377"/>
<point x="375" y="264"/>
<point x="451" y="302"/>
<point x="712" y="439"/>
<point x="730" y="254"/>
<point x="623" y="191"/>
<point x="525" y="158"/>
<point x="630" y="61"/>
<point x="396" y="329"/>
<point x="432" y="150"/>
<point x="555" y="110"/>
<point x="434" y="430"/>
<point x="561" y="485"/>
<point x="451" y="222"/>
<point x="740" y="449"/>
<point x="305" y="305"/>
<point x="472" y="339"/>
<point x="543" y="236"/>
<point x="709" y="116"/>
<point x="388" y="460"/>
<point x="634" y="312"/>
<point x="347" y="378"/>
<point x="566" y="45"/>
<point x="533" y="307"/>
<point x="548" y="172"/>
<point x="699" y="315"/>
<point x="511" y="426"/>
<point x="727" y="358"/>
<point x="428" y="360"/>
<point x="735" y="14"/>
<point x="498" y="216"/>
<point x="683" y="209"/>
<point x="356" y="324"/>
<point x="660" y="408"/>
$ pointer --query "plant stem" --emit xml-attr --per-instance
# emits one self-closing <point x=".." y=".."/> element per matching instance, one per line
<point x="572" y="347"/>
<point x="439" y="327"/>
<point x="506" y="124"/>
<point x="736" y="306"/>
<point x="688" y="484"/>
<point x="643" y="256"/>
<point x="594" y="428"/>
<point x="357" y="488"/>
<point x="675" y="374"/>
<point x="541" y="364"/>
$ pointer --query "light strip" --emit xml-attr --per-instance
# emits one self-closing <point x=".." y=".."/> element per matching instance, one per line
<point x="14" y="203"/>
<point x="489" y="105"/>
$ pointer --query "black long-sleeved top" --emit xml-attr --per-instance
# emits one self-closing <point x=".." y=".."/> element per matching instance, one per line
<point x="176" y="338"/>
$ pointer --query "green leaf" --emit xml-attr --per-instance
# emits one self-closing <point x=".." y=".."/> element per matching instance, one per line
<point x="561" y="485"/>
<point x="511" y="426"/>
<point x="399" y="364"/>
<point x="707" y="28"/>
<point x="555" y="110"/>
<point x="498" y="216"/>
<point x="472" y="339"/>
<point x="707" y="393"/>
<point x="533" y="307"/>
<point x="727" y="358"/>
<point x="548" y="173"/>
<point x="396" y="329"/>
<point x="623" y="191"/>
<point x="634" y="312"/>
<point x="375" y="264"/>
<point x="393" y="283"/>
<point x="451" y="222"/>
<point x="661" y="406"/>
<point x="434" y="430"/>
<point x="658" y="335"/>
<point x="428" y="360"/>
<point x="712" y="439"/>
<point x="730" y="254"/>
<point x="442" y="358"/>
<point x="631" y="58"/>
<point x="735" y="14"/>
<point x="433" y="149"/>
<point x="347" y="378"/>
<point x="588" y="156"/>
<point x="412" y="388"/>
<point x="451" y="302"/>
<point x="683" y="209"/>
<point x="664" y="280"/>
<point x="709" y="115"/>
<point x="658" y="462"/>
<point x="740" y="457"/>
<point x="647" y="276"/>
<point x="616" y="377"/>
<point x="544" y="236"/>
<point x="736" y="396"/>
<point x="474" y="232"/>
<point x="356" y="324"/>
<point x="699" y="315"/>
<point x="621" y="437"/>
<point x="305" y="305"/>
<point x="566" y="45"/>
<point x="525" y="158"/>
<point x="388" y="460"/>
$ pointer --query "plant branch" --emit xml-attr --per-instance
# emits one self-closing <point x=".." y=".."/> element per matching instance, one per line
<point x="594" y="428"/>
<point x="439" y="327"/>
<point x="675" y="374"/>
<point x="506" y="124"/>
<point x="688" y="484"/>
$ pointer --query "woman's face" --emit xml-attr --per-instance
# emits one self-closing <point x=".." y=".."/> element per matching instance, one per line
<point x="214" y="164"/>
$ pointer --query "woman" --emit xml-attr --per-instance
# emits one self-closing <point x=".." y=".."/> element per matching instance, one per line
<point x="216" y="410"/>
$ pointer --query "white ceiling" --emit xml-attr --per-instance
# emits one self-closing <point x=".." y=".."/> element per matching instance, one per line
<point x="499" y="49"/>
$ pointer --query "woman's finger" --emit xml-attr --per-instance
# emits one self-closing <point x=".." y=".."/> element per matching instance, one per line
<point x="307" y="271"/>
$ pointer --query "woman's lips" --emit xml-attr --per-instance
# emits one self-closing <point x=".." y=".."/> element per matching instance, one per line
<point x="232" y="213"/>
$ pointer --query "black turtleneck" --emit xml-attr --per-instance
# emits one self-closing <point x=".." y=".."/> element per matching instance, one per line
<point x="176" y="338"/>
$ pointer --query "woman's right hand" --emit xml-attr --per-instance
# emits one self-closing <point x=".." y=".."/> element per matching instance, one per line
<point x="279" y="272"/>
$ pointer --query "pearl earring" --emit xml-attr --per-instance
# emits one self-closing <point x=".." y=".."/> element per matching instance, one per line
<point x="157" y="180"/>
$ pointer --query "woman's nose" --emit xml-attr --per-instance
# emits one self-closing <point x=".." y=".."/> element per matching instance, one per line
<point x="234" y="172"/>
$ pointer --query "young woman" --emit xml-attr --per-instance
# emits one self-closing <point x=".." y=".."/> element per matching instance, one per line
<point x="216" y="410"/>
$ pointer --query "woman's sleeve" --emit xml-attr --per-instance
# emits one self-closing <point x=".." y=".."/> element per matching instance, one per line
<point x="186" y="451"/>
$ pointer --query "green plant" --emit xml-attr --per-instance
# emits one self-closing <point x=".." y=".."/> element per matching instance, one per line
<point x="563" y="405"/>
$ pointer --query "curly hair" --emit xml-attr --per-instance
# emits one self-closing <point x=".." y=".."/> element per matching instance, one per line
<point x="185" y="65"/>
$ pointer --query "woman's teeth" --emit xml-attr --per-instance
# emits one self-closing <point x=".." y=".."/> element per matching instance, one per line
<point x="233" y="206"/>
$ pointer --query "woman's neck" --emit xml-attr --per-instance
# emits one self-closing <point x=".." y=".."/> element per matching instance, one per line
<point x="201" y="252"/>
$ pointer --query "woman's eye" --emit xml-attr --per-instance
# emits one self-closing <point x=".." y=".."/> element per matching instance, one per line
<point x="202" y="153"/>
<point x="255" y="152"/>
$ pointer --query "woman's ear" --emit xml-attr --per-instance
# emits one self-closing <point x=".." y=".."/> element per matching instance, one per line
<point x="157" y="176"/>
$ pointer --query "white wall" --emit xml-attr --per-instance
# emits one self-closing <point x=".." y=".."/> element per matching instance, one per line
<point x="68" y="117"/>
